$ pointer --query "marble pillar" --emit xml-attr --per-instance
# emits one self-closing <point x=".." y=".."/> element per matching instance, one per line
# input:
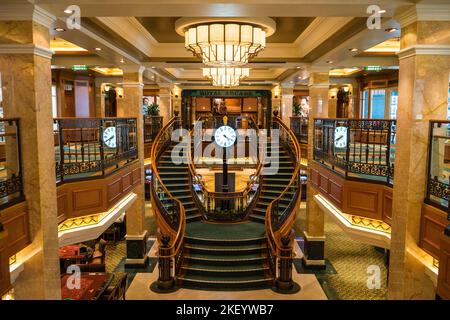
<point x="287" y="101"/>
<point x="99" y="99"/>
<point x="26" y="81"/>
<point x="131" y="106"/>
<point x="314" y="235"/>
<point x="165" y="103"/>
<point x="423" y="92"/>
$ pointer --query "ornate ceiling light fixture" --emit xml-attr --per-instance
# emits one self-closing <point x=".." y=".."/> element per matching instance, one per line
<point x="226" y="77"/>
<point x="226" y="42"/>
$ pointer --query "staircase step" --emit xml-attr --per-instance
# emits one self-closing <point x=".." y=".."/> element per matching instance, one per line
<point x="224" y="272"/>
<point x="232" y="250"/>
<point x="258" y="218"/>
<point x="243" y="283"/>
<point x="224" y="242"/>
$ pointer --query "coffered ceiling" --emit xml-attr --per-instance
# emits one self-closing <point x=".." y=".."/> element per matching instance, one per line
<point x="309" y="34"/>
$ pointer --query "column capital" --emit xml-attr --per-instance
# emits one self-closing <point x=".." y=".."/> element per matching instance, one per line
<point x="423" y="12"/>
<point x="26" y="49"/>
<point x="424" y="49"/>
<point x="133" y="68"/>
<point x="26" y="12"/>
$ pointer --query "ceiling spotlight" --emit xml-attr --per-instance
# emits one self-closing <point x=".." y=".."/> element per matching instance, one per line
<point x="68" y="11"/>
<point x="329" y="61"/>
<point x="353" y="49"/>
<point x="59" y="29"/>
<point x="98" y="49"/>
<point x="391" y="30"/>
<point x="122" y="61"/>
<point x="382" y="11"/>
<point x="298" y="67"/>
<point x="153" y="67"/>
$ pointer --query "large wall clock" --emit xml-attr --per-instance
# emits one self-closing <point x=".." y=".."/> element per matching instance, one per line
<point x="109" y="137"/>
<point x="225" y="136"/>
<point x="340" y="137"/>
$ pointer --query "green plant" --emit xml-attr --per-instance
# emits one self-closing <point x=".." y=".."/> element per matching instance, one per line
<point x="296" y="109"/>
<point x="153" y="109"/>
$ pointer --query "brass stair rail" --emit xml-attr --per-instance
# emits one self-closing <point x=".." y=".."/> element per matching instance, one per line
<point x="280" y="240"/>
<point x="170" y="254"/>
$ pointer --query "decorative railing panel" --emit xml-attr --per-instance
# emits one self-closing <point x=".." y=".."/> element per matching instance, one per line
<point x="91" y="147"/>
<point x="299" y="125"/>
<point x="11" y="189"/>
<point x="362" y="149"/>
<point x="438" y="178"/>
<point x="152" y="125"/>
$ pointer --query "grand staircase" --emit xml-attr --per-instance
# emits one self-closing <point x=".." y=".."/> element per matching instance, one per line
<point x="225" y="256"/>
<point x="272" y="185"/>
<point x="174" y="174"/>
<point x="206" y="255"/>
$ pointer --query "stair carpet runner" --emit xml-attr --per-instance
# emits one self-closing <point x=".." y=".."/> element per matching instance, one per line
<point x="224" y="256"/>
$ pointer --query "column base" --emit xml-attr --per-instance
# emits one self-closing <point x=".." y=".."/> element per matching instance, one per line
<point x="136" y="250"/>
<point x="289" y="287"/>
<point x="314" y="252"/>
<point x="164" y="286"/>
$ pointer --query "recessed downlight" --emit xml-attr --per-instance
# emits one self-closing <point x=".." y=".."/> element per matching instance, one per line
<point x="330" y="61"/>
<point x="68" y="11"/>
<point x="98" y="49"/>
<point x="60" y="29"/>
<point x="353" y="49"/>
<point x="382" y="11"/>
<point x="391" y="30"/>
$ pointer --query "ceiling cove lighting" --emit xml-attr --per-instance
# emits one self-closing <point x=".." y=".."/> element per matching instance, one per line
<point x="226" y="77"/>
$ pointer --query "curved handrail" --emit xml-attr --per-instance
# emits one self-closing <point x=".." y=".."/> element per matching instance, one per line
<point x="177" y="243"/>
<point x="279" y="247"/>
<point x="239" y="196"/>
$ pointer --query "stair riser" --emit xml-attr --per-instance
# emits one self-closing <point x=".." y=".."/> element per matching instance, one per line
<point x="224" y="243"/>
<point x="226" y="263"/>
<point x="192" y="284"/>
<point x="222" y="274"/>
<point x="225" y="251"/>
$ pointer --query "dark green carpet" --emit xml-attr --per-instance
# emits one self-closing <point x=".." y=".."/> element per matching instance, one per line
<point x="236" y="231"/>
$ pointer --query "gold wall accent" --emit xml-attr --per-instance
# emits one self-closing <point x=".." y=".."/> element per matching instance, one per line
<point x="371" y="224"/>
<point x="12" y="259"/>
<point x="79" y="222"/>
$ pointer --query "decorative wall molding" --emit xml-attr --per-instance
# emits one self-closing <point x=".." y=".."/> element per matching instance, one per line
<point x="424" y="49"/>
<point x="423" y="12"/>
<point x="26" y="12"/>
<point x="26" y="49"/>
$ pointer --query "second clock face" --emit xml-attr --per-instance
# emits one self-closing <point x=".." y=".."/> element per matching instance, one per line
<point x="225" y="136"/>
<point x="109" y="137"/>
<point x="340" y="137"/>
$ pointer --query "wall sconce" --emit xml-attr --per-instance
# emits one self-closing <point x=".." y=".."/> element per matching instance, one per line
<point x="119" y="93"/>
<point x="176" y="96"/>
<point x="346" y="89"/>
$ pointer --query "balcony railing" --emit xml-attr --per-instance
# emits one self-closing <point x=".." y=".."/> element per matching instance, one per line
<point x="299" y="125"/>
<point x="152" y="125"/>
<point x="438" y="189"/>
<point x="11" y="190"/>
<point x="360" y="149"/>
<point x="88" y="148"/>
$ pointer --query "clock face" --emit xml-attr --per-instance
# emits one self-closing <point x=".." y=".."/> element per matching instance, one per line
<point x="340" y="137"/>
<point x="109" y="137"/>
<point x="225" y="136"/>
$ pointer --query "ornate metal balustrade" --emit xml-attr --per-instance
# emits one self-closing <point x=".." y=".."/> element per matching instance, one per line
<point x="171" y="211"/>
<point x="11" y="189"/>
<point x="360" y="149"/>
<point x="438" y="178"/>
<point x="278" y="224"/>
<point x="299" y="125"/>
<point x="152" y="125"/>
<point x="87" y="148"/>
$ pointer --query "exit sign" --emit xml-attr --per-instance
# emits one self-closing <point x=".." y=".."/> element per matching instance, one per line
<point x="79" y="67"/>
<point x="372" y="68"/>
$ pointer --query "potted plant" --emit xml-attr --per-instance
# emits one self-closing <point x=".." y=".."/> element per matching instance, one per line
<point x="153" y="109"/>
<point x="296" y="109"/>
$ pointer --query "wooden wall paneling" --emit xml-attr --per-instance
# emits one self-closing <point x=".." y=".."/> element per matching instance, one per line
<point x="114" y="190"/>
<point x="15" y="220"/>
<point x="387" y="205"/>
<point x="5" y="279"/>
<point x="443" y="287"/>
<point x="364" y="199"/>
<point x="433" y="222"/>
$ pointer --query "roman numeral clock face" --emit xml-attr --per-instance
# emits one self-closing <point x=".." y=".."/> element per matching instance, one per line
<point x="109" y="137"/>
<point x="340" y="137"/>
<point x="225" y="136"/>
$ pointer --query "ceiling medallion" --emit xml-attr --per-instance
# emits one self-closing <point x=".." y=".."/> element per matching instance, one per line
<point x="226" y="77"/>
<point x="225" y="42"/>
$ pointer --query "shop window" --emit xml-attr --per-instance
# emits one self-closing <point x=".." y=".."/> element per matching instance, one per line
<point x="365" y="104"/>
<point x="393" y="104"/>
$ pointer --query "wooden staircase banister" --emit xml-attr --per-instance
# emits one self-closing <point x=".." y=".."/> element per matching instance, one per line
<point x="281" y="239"/>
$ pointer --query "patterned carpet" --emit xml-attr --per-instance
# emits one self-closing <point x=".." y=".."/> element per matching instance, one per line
<point x="350" y="259"/>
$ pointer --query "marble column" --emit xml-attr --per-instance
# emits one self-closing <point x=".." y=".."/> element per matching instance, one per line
<point x="423" y="92"/>
<point x="26" y="79"/>
<point x="287" y="100"/>
<point x="99" y="100"/>
<point x="165" y="102"/>
<point x="131" y="106"/>
<point x="276" y="100"/>
<point x="314" y="235"/>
